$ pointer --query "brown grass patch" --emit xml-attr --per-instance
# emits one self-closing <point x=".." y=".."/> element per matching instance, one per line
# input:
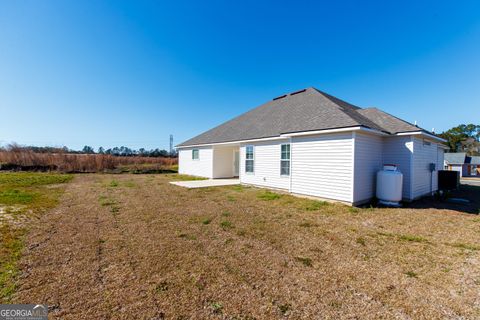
<point x="229" y="253"/>
<point x="24" y="159"/>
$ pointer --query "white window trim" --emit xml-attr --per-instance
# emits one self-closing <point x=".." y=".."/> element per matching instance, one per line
<point x="289" y="160"/>
<point x="253" y="151"/>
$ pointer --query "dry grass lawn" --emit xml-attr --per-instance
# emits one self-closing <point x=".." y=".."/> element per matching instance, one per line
<point x="136" y="247"/>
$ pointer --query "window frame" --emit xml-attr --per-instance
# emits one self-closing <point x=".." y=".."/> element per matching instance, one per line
<point x="252" y="159"/>
<point x="198" y="154"/>
<point x="288" y="159"/>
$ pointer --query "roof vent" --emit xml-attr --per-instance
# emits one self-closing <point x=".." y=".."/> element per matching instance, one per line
<point x="297" y="92"/>
<point x="280" y="97"/>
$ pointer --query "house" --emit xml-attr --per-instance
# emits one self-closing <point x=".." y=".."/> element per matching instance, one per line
<point x="311" y="143"/>
<point x="468" y="166"/>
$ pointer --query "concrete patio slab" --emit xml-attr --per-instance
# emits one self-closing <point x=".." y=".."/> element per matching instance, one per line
<point x="206" y="183"/>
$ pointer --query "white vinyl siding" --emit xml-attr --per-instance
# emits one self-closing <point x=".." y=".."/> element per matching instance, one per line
<point x="368" y="161"/>
<point x="338" y="166"/>
<point x="202" y="167"/>
<point x="322" y="166"/>
<point x="266" y="165"/>
<point x="399" y="151"/>
<point x="424" y="181"/>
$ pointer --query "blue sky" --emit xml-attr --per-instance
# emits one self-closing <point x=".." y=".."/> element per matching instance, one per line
<point x="107" y="73"/>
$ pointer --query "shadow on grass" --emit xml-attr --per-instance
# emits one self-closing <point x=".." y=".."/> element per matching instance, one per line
<point x="467" y="192"/>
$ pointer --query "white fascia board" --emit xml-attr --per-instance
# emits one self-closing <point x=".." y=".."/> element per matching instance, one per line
<point x="374" y="131"/>
<point x="431" y="136"/>
<point x="289" y="135"/>
<point x="231" y="142"/>
<point x="307" y="133"/>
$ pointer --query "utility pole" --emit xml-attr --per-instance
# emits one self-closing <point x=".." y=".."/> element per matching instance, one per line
<point x="171" y="144"/>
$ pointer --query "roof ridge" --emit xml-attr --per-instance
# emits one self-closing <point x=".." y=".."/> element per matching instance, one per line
<point x="352" y="111"/>
<point x="391" y="115"/>
<point x="335" y="100"/>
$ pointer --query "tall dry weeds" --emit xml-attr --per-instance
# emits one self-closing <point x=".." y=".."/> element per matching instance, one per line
<point x="65" y="162"/>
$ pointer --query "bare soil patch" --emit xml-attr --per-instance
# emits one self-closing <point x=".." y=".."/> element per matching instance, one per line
<point x="137" y="247"/>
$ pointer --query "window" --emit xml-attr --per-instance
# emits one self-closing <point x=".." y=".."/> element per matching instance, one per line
<point x="285" y="160"/>
<point x="249" y="159"/>
<point x="195" y="154"/>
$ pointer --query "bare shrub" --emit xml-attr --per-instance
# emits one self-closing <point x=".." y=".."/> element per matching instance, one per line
<point x="21" y="158"/>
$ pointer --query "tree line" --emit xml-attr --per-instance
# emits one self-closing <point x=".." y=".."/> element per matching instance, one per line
<point x="128" y="152"/>
<point x="116" y="151"/>
<point x="463" y="138"/>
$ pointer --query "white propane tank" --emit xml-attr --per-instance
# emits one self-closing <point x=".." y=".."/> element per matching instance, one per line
<point x="389" y="185"/>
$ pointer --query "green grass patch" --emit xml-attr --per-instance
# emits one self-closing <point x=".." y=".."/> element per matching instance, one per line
<point x="29" y="179"/>
<point x="113" y="184"/>
<point x="268" y="195"/>
<point x="130" y="184"/>
<point x="14" y="196"/>
<point x="404" y="237"/>
<point x="412" y="238"/>
<point x="226" y="225"/>
<point x="386" y="234"/>
<point x="161" y="287"/>
<point x="114" y="209"/>
<point x="314" y="205"/>
<point x="239" y="188"/>
<point x="226" y="214"/>
<point x="361" y="241"/>
<point x="35" y="193"/>
<point x="183" y="177"/>
<point x="207" y="221"/>
<point x="353" y="210"/>
<point x="411" y="274"/>
<point x="106" y="201"/>
<point x="12" y="246"/>
<point x="217" y="307"/>
<point x="465" y="246"/>
<point x="305" y="261"/>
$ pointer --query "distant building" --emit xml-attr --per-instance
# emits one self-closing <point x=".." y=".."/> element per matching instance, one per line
<point x="468" y="166"/>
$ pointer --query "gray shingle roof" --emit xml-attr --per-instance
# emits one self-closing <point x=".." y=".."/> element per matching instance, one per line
<point x="389" y="123"/>
<point x="474" y="160"/>
<point x="305" y="110"/>
<point x="455" y="157"/>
